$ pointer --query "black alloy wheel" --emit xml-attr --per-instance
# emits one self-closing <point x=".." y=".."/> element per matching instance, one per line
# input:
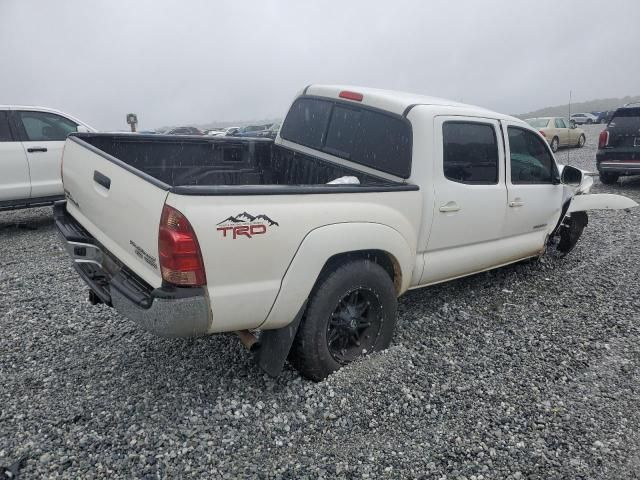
<point x="354" y="325"/>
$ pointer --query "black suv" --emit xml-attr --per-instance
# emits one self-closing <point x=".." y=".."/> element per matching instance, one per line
<point x="619" y="145"/>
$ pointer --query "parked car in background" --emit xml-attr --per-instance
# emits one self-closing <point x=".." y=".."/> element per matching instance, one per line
<point x="559" y="132"/>
<point x="250" y="131"/>
<point x="271" y="132"/>
<point x="276" y="239"/>
<point x="601" y="117"/>
<point x="215" y="132"/>
<point x="31" y="143"/>
<point x="230" y="131"/>
<point x="584" y="118"/>
<point x="619" y="145"/>
<point x="184" y="131"/>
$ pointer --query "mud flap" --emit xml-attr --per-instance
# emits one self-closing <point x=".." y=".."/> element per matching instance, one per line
<point x="276" y="344"/>
<point x="571" y="230"/>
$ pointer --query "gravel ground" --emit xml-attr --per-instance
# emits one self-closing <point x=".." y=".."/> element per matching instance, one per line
<point x="530" y="371"/>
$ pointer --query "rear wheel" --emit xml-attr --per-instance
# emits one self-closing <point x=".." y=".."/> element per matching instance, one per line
<point x="581" y="141"/>
<point x="352" y="312"/>
<point x="609" y="178"/>
<point x="555" y="143"/>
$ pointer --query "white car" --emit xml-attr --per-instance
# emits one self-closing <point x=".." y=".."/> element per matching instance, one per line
<point x="363" y="195"/>
<point x="216" y="132"/>
<point x="584" y="118"/>
<point x="31" y="143"/>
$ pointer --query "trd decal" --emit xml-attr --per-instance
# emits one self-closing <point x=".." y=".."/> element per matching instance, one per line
<point x="245" y="225"/>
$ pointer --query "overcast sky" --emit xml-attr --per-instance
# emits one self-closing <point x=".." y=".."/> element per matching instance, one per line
<point x="190" y="61"/>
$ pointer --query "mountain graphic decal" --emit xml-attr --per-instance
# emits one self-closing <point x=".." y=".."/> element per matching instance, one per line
<point x="245" y="217"/>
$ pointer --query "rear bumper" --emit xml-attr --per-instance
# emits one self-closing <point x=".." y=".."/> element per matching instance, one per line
<point x="622" y="168"/>
<point x="167" y="311"/>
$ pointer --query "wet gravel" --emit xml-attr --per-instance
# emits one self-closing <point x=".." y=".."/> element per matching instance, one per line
<point x="530" y="371"/>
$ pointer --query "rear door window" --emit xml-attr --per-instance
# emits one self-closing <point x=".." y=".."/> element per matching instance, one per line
<point x="45" y="126"/>
<point x="359" y="134"/>
<point x="5" y="131"/>
<point x="531" y="161"/>
<point x="470" y="153"/>
<point x="560" y="123"/>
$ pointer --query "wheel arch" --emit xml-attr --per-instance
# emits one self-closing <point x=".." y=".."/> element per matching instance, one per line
<point x="331" y="245"/>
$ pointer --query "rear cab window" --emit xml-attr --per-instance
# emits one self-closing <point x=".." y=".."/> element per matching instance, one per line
<point x="626" y="118"/>
<point x="360" y="134"/>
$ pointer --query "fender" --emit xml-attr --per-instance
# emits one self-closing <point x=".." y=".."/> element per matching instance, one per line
<point x="325" y="242"/>
<point x="600" y="201"/>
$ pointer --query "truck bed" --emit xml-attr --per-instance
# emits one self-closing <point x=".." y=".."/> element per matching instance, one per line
<point x="183" y="162"/>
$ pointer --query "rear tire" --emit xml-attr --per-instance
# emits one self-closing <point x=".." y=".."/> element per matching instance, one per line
<point x="555" y="143"/>
<point x="608" y="178"/>
<point x="581" y="141"/>
<point x="351" y="312"/>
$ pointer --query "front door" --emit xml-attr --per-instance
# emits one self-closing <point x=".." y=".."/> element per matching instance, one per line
<point x="44" y="134"/>
<point x="470" y="198"/>
<point x="534" y="189"/>
<point x="14" y="169"/>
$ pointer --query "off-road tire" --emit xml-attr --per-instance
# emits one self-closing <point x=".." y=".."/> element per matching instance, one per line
<point x="310" y="353"/>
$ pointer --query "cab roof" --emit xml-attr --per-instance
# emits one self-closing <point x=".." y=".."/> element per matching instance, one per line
<point x="394" y="101"/>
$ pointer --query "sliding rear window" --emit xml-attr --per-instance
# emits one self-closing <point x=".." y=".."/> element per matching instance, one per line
<point x="359" y="134"/>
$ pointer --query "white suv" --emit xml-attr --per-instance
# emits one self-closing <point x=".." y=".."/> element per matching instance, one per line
<point x="31" y="142"/>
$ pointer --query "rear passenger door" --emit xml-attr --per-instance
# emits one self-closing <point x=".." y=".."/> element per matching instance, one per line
<point x="534" y="189"/>
<point x="470" y="198"/>
<point x="43" y="135"/>
<point x="14" y="169"/>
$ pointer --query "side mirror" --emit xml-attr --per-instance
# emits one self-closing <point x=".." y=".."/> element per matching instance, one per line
<point x="82" y="129"/>
<point x="571" y="176"/>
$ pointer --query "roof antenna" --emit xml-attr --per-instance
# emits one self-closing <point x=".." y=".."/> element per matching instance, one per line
<point x="569" y="149"/>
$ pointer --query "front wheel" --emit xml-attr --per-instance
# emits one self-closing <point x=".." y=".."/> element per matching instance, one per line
<point x="581" y="141"/>
<point x="555" y="143"/>
<point x="351" y="312"/>
<point x="589" y="122"/>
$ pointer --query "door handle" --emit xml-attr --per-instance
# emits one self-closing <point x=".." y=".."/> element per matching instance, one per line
<point x="101" y="179"/>
<point x="516" y="203"/>
<point x="449" y="207"/>
<point x="36" y="149"/>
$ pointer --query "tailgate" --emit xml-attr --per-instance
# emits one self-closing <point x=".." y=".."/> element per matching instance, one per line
<point x="119" y="206"/>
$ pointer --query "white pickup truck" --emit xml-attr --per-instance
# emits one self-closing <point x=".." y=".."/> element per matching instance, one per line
<point x="31" y="143"/>
<point x="310" y="239"/>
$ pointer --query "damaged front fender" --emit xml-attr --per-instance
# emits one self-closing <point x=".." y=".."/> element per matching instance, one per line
<point x="600" y="201"/>
<point x="575" y="218"/>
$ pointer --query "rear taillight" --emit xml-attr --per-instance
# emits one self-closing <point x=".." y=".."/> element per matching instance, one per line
<point x="178" y="249"/>
<point x="603" y="139"/>
<point x="542" y="133"/>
